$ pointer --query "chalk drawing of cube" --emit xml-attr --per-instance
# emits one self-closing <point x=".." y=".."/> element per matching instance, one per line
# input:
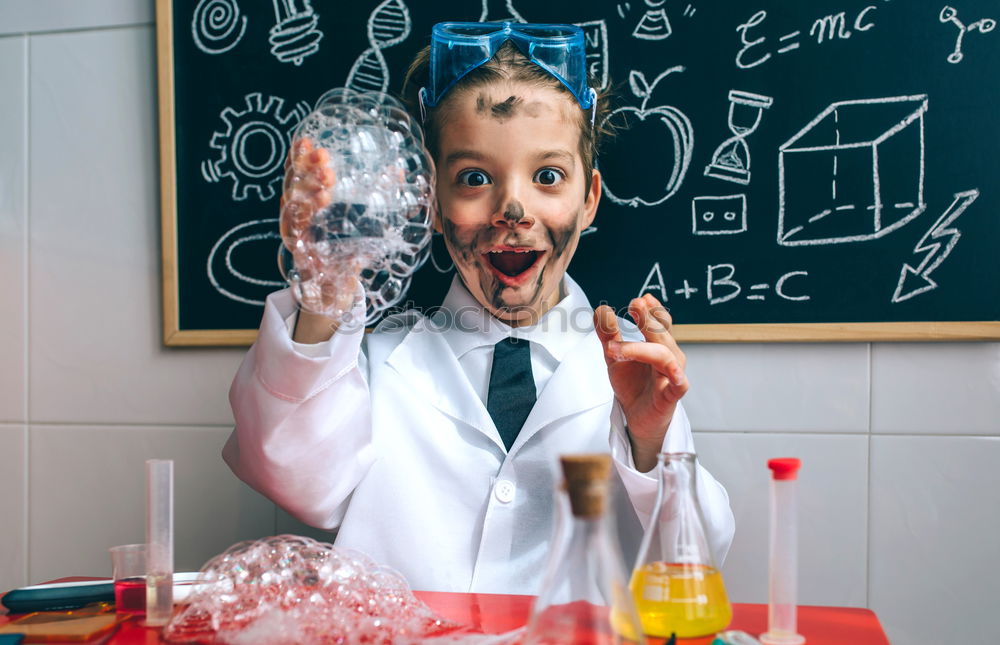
<point x="854" y="173"/>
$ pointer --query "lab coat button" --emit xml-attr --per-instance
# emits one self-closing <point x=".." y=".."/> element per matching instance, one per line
<point x="504" y="490"/>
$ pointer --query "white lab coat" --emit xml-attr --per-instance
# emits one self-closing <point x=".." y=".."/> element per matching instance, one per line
<point x="383" y="438"/>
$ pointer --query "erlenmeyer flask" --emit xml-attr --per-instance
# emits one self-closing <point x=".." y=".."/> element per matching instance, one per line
<point x="584" y="598"/>
<point x="677" y="588"/>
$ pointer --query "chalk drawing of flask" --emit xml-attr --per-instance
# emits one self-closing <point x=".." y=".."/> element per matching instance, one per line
<point x="295" y="35"/>
<point x="731" y="160"/>
<point x="389" y="24"/>
<point x="497" y="11"/>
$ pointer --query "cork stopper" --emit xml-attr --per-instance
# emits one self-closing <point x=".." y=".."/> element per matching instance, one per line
<point x="586" y="481"/>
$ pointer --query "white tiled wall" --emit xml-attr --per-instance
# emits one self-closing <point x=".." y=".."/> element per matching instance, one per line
<point x="899" y="489"/>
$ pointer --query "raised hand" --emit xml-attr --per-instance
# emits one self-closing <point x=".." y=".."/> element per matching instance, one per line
<point x="647" y="376"/>
<point x="326" y="288"/>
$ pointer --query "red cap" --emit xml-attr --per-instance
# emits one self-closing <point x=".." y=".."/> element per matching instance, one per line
<point x="784" y="468"/>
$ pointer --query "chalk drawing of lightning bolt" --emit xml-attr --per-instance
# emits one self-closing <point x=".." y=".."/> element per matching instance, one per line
<point x="915" y="281"/>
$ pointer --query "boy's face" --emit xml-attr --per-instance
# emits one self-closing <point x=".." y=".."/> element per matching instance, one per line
<point x="513" y="198"/>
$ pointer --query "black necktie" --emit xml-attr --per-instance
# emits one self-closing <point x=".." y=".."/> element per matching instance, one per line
<point x="512" y="388"/>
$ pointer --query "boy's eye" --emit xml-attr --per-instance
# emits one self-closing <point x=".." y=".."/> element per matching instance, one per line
<point x="549" y="176"/>
<point x="473" y="178"/>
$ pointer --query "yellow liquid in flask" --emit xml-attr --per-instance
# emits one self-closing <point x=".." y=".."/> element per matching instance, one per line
<point x="685" y="599"/>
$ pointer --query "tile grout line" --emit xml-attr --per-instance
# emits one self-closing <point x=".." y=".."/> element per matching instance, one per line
<point x="868" y="488"/>
<point x="77" y="30"/>
<point x="26" y="313"/>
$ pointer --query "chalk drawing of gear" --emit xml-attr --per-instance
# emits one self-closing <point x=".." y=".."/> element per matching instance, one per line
<point x="253" y="146"/>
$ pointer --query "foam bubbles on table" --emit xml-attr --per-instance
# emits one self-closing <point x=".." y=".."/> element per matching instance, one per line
<point x="293" y="589"/>
<point x="378" y="221"/>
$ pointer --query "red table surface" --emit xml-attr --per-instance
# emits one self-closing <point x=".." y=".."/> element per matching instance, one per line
<point x="496" y="614"/>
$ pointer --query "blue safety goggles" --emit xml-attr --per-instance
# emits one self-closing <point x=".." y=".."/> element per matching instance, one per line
<point x="457" y="48"/>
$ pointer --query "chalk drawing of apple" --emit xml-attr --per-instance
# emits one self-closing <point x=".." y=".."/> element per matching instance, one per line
<point x="637" y="179"/>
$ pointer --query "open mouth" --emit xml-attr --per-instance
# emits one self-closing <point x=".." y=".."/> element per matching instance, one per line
<point x="511" y="263"/>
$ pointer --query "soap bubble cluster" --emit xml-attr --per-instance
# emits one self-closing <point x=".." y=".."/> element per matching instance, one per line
<point x="296" y="590"/>
<point x="372" y="218"/>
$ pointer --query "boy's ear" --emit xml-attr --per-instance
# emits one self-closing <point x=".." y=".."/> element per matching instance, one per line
<point x="436" y="217"/>
<point x="593" y="198"/>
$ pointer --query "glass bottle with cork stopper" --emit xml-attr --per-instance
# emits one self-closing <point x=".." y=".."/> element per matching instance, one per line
<point x="584" y="597"/>
<point x="677" y="588"/>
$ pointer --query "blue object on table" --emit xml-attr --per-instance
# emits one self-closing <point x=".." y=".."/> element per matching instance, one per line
<point x="11" y="639"/>
<point x="59" y="595"/>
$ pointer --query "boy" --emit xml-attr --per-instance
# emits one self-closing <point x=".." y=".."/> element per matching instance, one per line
<point x="431" y="443"/>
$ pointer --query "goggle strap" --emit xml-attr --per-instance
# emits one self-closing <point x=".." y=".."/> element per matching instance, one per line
<point x="593" y="107"/>
<point x="423" y="108"/>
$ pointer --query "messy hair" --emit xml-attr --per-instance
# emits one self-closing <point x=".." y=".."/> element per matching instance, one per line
<point x="509" y="64"/>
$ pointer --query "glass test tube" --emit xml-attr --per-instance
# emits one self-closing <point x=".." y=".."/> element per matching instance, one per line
<point x="783" y="574"/>
<point x="160" y="538"/>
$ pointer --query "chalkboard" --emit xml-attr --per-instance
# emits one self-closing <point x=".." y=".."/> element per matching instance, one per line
<point x="793" y="170"/>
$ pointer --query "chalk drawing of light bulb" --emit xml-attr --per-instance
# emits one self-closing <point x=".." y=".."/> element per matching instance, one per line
<point x="389" y="24"/>
<point x="731" y="160"/>
<point x="646" y="139"/>
<point x="253" y="145"/>
<point x="655" y="24"/>
<point x="217" y="25"/>
<point x="295" y="35"/>
<point x="950" y="14"/>
<point x="494" y="12"/>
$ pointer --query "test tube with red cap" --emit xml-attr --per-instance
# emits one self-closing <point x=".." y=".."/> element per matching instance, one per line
<point x="782" y="628"/>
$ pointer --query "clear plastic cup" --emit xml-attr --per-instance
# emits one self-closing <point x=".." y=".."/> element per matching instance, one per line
<point x="128" y="569"/>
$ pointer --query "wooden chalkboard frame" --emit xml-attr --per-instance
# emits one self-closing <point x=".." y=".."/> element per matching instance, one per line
<point x="173" y="335"/>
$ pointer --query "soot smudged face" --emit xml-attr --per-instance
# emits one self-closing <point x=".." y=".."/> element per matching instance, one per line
<point x="512" y="195"/>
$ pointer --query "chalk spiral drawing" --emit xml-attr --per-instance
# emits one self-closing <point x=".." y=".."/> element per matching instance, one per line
<point x="983" y="26"/>
<point x="882" y="152"/>
<point x="389" y="24"/>
<point x="731" y="160"/>
<point x="719" y="215"/>
<point x="914" y="281"/>
<point x="217" y="25"/>
<point x="253" y="145"/>
<point x="230" y="281"/>
<point x="493" y="12"/>
<point x="681" y="134"/>
<point x="295" y="35"/>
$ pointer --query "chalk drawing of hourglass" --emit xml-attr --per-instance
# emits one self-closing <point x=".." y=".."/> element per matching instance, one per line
<point x="389" y="24"/>
<point x="731" y="160"/>
<point x="295" y="35"/>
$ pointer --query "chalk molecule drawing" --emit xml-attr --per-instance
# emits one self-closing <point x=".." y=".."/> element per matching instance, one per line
<point x="983" y="26"/>
<point x="226" y="278"/>
<point x="389" y="24"/>
<point x="253" y="145"/>
<point x="937" y="244"/>
<point x="731" y="160"/>
<point x="492" y="11"/>
<point x="678" y="126"/>
<point x="853" y="173"/>
<point x="294" y="36"/>
<point x="217" y="25"/>
<point x="719" y="215"/>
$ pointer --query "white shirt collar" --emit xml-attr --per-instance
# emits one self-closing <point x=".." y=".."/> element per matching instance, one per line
<point x="467" y="325"/>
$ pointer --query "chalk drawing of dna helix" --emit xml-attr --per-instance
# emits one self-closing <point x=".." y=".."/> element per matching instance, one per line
<point x="389" y="24"/>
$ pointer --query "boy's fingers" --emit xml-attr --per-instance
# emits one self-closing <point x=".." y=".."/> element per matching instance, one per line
<point x="650" y="326"/>
<point x="606" y="325"/>
<point x="657" y="356"/>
